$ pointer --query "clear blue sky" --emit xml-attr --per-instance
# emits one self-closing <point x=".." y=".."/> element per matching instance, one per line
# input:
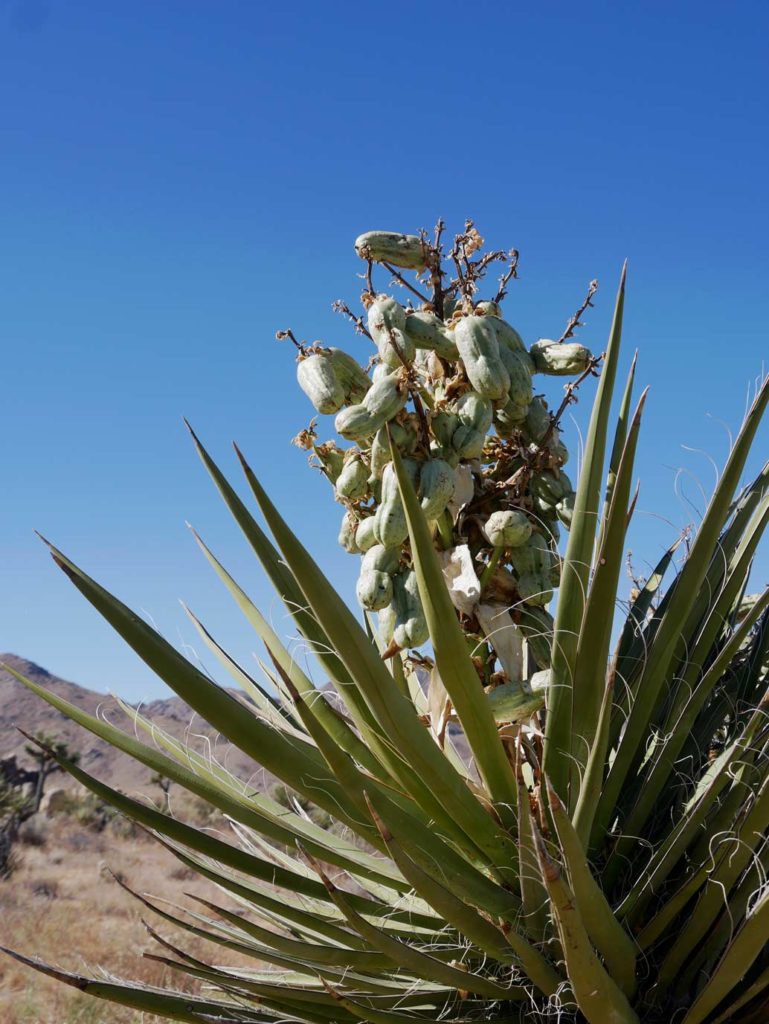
<point x="179" y="179"/>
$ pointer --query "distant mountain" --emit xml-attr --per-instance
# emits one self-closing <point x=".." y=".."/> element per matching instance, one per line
<point x="21" y="708"/>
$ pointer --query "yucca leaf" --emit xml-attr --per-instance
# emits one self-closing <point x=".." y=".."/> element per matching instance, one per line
<point x="575" y="571"/>
<point x="589" y="683"/>
<point x="620" y="436"/>
<point x="748" y="944"/>
<point x="429" y="777"/>
<point x="678" y="731"/>
<point x="330" y="721"/>
<point x="592" y="780"/>
<point x="414" y="960"/>
<point x="258" y="694"/>
<point x="668" y="635"/>
<point x="296" y="762"/>
<point x="603" y="929"/>
<point x="507" y="947"/>
<point x="535" y="917"/>
<point x="245" y="809"/>
<point x="667" y="855"/>
<point x="452" y="658"/>
<point x="734" y="854"/>
<point x="599" y="998"/>
<point x="205" y="843"/>
<point x="179" y="1006"/>
<point x="436" y="857"/>
<point x="307" y="953"/>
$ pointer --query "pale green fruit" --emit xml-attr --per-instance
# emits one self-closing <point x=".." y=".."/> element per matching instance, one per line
<point x="475" y="411"/>
<point x="347" y="533"/>
<point x="508" y="417"/>
<point x="384" y="400"/>
<point x="411" y="626"/>
<point x="507" y="529"/>
<point x="443" y="424"/>
<point x="317" y="378"/>
<point x="391" y="526"/>
<point x="353" y="379"/>
<point x="520" y="391"/>
<point x="365" y="534"/>
<point x="506" y="335"/>
<point x="436" y="486"/>
<point x="374" y="590"/>
<point x="537" y="420"/>
<point x="487" y="307"/>
<point x="352" y="482"/>
<point x="381" y="559"/>
<point x="560" y="360"/>
<point x="533" y="557"/>
<point x="468" y="443"/>
<point x="479" y="351"/>
<point x="387" y="323"/>
<point x="405" y="251"/>
<point x="427" y="331"/>
<point x="535" y="589"/>
<point x="550" y="487"/>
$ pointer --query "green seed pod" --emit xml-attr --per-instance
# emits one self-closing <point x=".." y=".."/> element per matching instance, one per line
<point x="374" y="590"/>
<point x="535" y="589"/>
<point x="381" y="559"/>
<point x="443" y="425"/>
<point x="330" y="458"/>
<point x="347" y="533"/>
<point x="537" y="420"/>
<point x="558" y="449"/>
<point x="427" y="331"/>
<point x="405" y="433"/>
<point x="406" y="251"/>
<point x="560" y="360"/>
<point x="564" y="509"/>
<point x="405" y="438"/>
<point x="386" y="623"/>
<point x="479" y="351"/>
<point x="365" y="535"/>
<point x="384" y="400"/>
<point x="411" y="626"/>
<point x="508" y="417"/>
<point x="549" y="487"/>
<point x="507" y="529"/>
<point x="387" y="322"/>
<point x="520" y="391"/>
<point x="351" y="375"/>
<point x="533" y="557"/>
<point x="380" y="453"/>
<point x="468" y="443"/>
<point x="317" y="378"/>
<point x="506" y="335"/>
<point x="391" y="526"/>
<point x="475" y="411"/>
<point x="436" y="487"/>
<point x="352" y="483"/>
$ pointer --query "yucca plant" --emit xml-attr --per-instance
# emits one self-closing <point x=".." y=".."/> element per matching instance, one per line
<point x="534" y="819"/>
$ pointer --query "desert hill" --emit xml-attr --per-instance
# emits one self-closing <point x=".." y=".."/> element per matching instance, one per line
<point x="21" y="708"/>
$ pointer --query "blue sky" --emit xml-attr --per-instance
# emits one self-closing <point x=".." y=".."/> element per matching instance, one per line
<point x="180" y="179"/>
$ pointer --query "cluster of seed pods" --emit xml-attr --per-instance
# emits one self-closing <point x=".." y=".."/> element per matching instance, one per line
<point x="456" y="393"/>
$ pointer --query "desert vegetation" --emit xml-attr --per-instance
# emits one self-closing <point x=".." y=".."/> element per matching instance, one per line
<point x="510" y="804"/>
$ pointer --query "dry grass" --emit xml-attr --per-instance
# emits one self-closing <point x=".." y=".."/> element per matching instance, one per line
<point x="62" y="905"/>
